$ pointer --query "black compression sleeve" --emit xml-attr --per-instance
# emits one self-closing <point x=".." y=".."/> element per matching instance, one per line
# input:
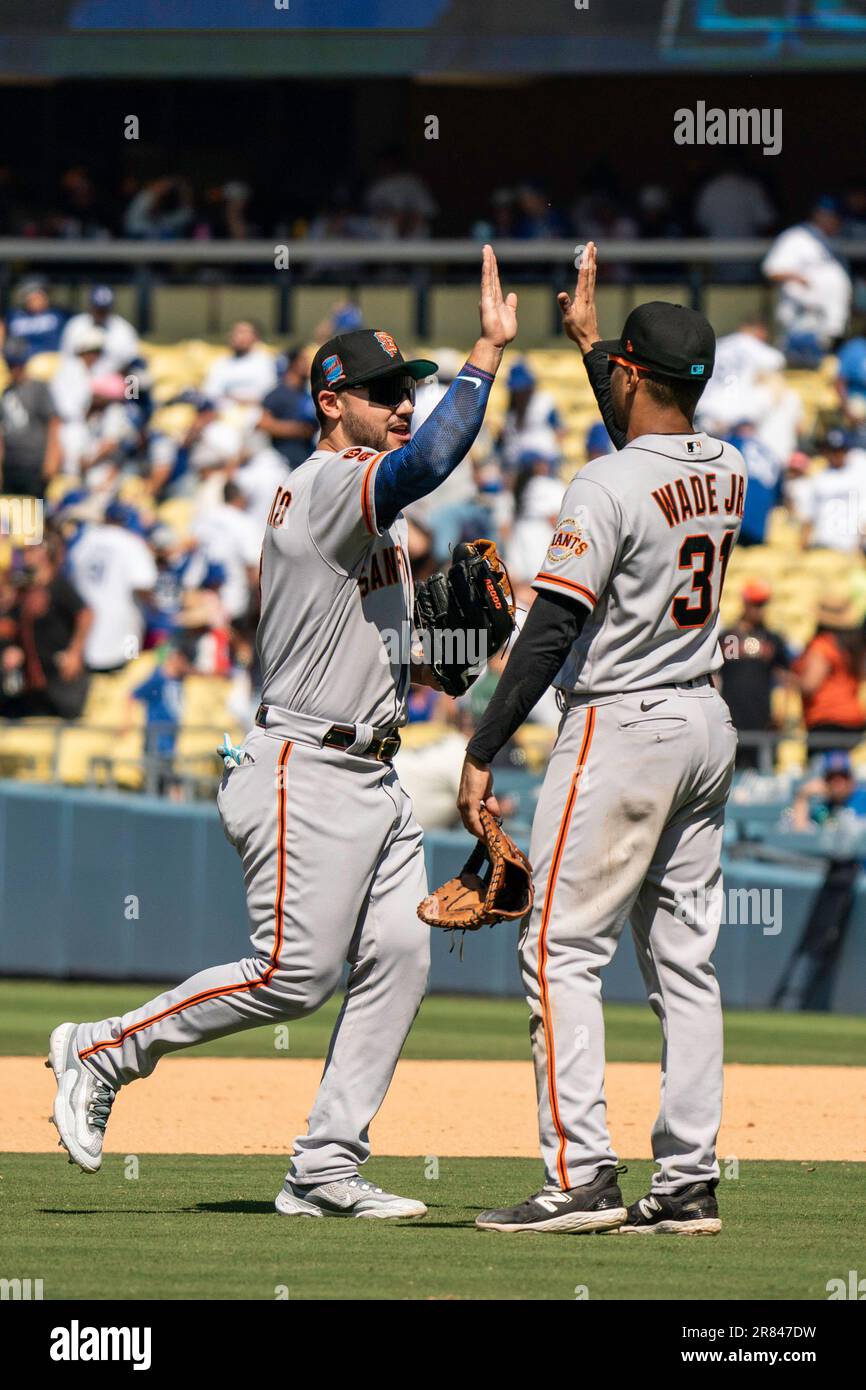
<point x="553" y="625"/>
<point x="599" y="379"/>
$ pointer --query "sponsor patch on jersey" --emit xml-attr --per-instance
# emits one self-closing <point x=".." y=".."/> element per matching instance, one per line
<point x="568" y="539"/>
<point x="694" y="446"/>
<point x="333" y="369"/>
<point x="386" y="343"/>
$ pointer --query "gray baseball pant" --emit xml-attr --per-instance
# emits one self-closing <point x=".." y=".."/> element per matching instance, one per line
<point x="334" y="871"/>
<point x="629" y="826"/>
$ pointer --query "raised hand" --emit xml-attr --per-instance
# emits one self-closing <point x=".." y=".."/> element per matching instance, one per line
<point x="579" y="318"/>
<point x="498" y="314"/>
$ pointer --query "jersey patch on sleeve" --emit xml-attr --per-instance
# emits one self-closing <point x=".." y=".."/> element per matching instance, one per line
<point x="568" y="539"/>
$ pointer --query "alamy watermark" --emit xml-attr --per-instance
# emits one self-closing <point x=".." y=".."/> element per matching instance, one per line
<point x="737" y="126"/>
<point x="731" y="907"/>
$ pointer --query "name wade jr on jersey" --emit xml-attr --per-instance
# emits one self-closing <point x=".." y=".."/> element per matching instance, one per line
<point x="678" y="506"/>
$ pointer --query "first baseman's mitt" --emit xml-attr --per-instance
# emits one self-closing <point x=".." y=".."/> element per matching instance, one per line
<point x="466" y="616"/>
<point x="503" y="890"/>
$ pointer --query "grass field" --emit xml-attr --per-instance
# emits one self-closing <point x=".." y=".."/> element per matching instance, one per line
<point x="204" y="1228"/>
<point x="447" y="1027"/>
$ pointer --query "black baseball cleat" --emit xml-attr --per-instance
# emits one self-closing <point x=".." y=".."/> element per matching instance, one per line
<point x="596" y="1206"/>
<point x="692" y="1211"/>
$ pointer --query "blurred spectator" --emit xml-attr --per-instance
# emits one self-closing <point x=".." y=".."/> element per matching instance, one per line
<point x="533" y="425"/>
<point x="538" y="494"/>
<point x="655" y="217"/>
<point x="486" y="510"/>
<point x="748" y="387"/>
<point x="214" y="458"/>
<point x="229" y="212"/>
<point x="829" y="673"/>
<point x="288" y="415"/>
<point x="398" y="201"/>
<point x="51" y="627"/>
<point x="97" y="448"/>
<point x="258" y="478"/>
<point x="503" y="216"/>
<point x="821" y="799"/>
<point x="36" y="320"/>
<point x="834" y="804"/>
<point x="797" y="488"/>
<point x="71" y="383"/>
<point x="161" y="211"/>
<point x="83" y="212"/>
<point x="162" y="696"/>
<point x="755" y="658"/>
<point x="598" y="442"/>
<point x="597" y="216"/>
<point x="765" y="472"/>
<point x="120" y="345"/>
<point x="835" y="504"/>
<point x="815" y="288"/>
<point x="730" y="206"/>
<point x="29" y="428"/>
<point x="345" y="317"/>
<point x="536" y="218"/>
<point x="247" y="375"/>
<point x="231" y="538"/>
<point x="851" y="380"/>
<point x="114" y="571"/>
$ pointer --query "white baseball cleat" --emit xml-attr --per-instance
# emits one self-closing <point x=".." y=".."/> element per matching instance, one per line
<point x="82" y="1104"/>
<point x="346" y="1197"/>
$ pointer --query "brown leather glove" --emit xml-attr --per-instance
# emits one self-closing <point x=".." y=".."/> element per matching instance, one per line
<point x="503" y="890"/>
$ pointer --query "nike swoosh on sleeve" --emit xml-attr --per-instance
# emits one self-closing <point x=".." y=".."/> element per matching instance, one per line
<point x="472" y="381"/>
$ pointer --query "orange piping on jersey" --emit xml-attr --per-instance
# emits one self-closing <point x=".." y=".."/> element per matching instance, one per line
<point x="567" y="584"/>
<point x="366" y="500"/>
<point x="550" y="889"/>
<point x="243" y="985"/>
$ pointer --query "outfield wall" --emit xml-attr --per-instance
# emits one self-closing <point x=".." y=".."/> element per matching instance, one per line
<point x="96" y="885"/>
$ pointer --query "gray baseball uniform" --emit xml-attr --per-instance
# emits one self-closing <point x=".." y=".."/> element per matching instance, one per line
<point x="630" y="817"/>
<point x="332" y="855"/>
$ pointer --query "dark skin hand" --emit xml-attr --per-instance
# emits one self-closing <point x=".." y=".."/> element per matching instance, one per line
<point x="476" y="790"/>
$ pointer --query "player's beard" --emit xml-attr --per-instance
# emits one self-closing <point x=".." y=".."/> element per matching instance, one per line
<point x="362" y="430"/>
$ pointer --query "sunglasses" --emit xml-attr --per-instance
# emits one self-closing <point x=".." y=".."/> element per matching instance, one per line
<point x="623" y="362"/>
<point x="391" y="390"/>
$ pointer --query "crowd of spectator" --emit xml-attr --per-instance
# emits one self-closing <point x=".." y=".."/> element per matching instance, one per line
<point x="395" y="202"/>
<point x="114" y="578"/>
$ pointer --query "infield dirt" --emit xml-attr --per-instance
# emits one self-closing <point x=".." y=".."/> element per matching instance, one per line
<point x="454" y="1108"/>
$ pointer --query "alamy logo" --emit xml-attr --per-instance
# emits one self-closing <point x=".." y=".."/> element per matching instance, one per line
<point x="21" y="1290"/>
<point x="77" y="1343"/>
<point x="736" y="126"/>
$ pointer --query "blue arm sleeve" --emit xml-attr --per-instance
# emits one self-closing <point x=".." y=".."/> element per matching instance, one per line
<point x="443" y="440"/>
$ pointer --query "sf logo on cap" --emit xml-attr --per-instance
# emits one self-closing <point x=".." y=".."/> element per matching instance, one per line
<point x="386" y="342"/>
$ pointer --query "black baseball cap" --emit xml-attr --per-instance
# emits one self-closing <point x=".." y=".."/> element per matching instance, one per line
<point x="354" y="359"/>
<point x="668" y="339"/>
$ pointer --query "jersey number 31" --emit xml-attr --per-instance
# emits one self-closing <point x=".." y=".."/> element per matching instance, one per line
<point x="698" y="554"/>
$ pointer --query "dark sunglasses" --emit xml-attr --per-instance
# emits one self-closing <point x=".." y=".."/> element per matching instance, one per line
<point x="391" y="390"/>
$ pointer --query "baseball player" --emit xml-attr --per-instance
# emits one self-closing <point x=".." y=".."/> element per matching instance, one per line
<point x="331" y="851"/>
<point x="629" y="821"/>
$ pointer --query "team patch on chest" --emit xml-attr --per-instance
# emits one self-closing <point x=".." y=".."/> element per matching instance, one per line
<point x="383" y="568"/>
<point x="568" y="539"/>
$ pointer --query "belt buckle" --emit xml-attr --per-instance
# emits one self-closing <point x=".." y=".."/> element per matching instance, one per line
<point x="388" y="748"/>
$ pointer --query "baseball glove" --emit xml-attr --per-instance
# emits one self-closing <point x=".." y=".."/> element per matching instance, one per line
<point x="466" y="616"/>
<point x="503" y="890"/>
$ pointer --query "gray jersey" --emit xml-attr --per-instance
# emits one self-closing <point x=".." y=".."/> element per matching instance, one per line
<point x="643" y="539"/>
<point x="336" y="596"/>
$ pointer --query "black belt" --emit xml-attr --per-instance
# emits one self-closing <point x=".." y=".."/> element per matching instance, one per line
<point x="344" y="735"/>
<point x="382" y="749"/>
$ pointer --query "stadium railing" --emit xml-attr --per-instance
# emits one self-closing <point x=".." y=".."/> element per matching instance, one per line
<point x="287" y="264"/>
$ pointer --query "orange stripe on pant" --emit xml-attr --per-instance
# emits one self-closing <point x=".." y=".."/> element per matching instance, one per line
<point x="546" y="1020"/>
<point x="243" y="985"/>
